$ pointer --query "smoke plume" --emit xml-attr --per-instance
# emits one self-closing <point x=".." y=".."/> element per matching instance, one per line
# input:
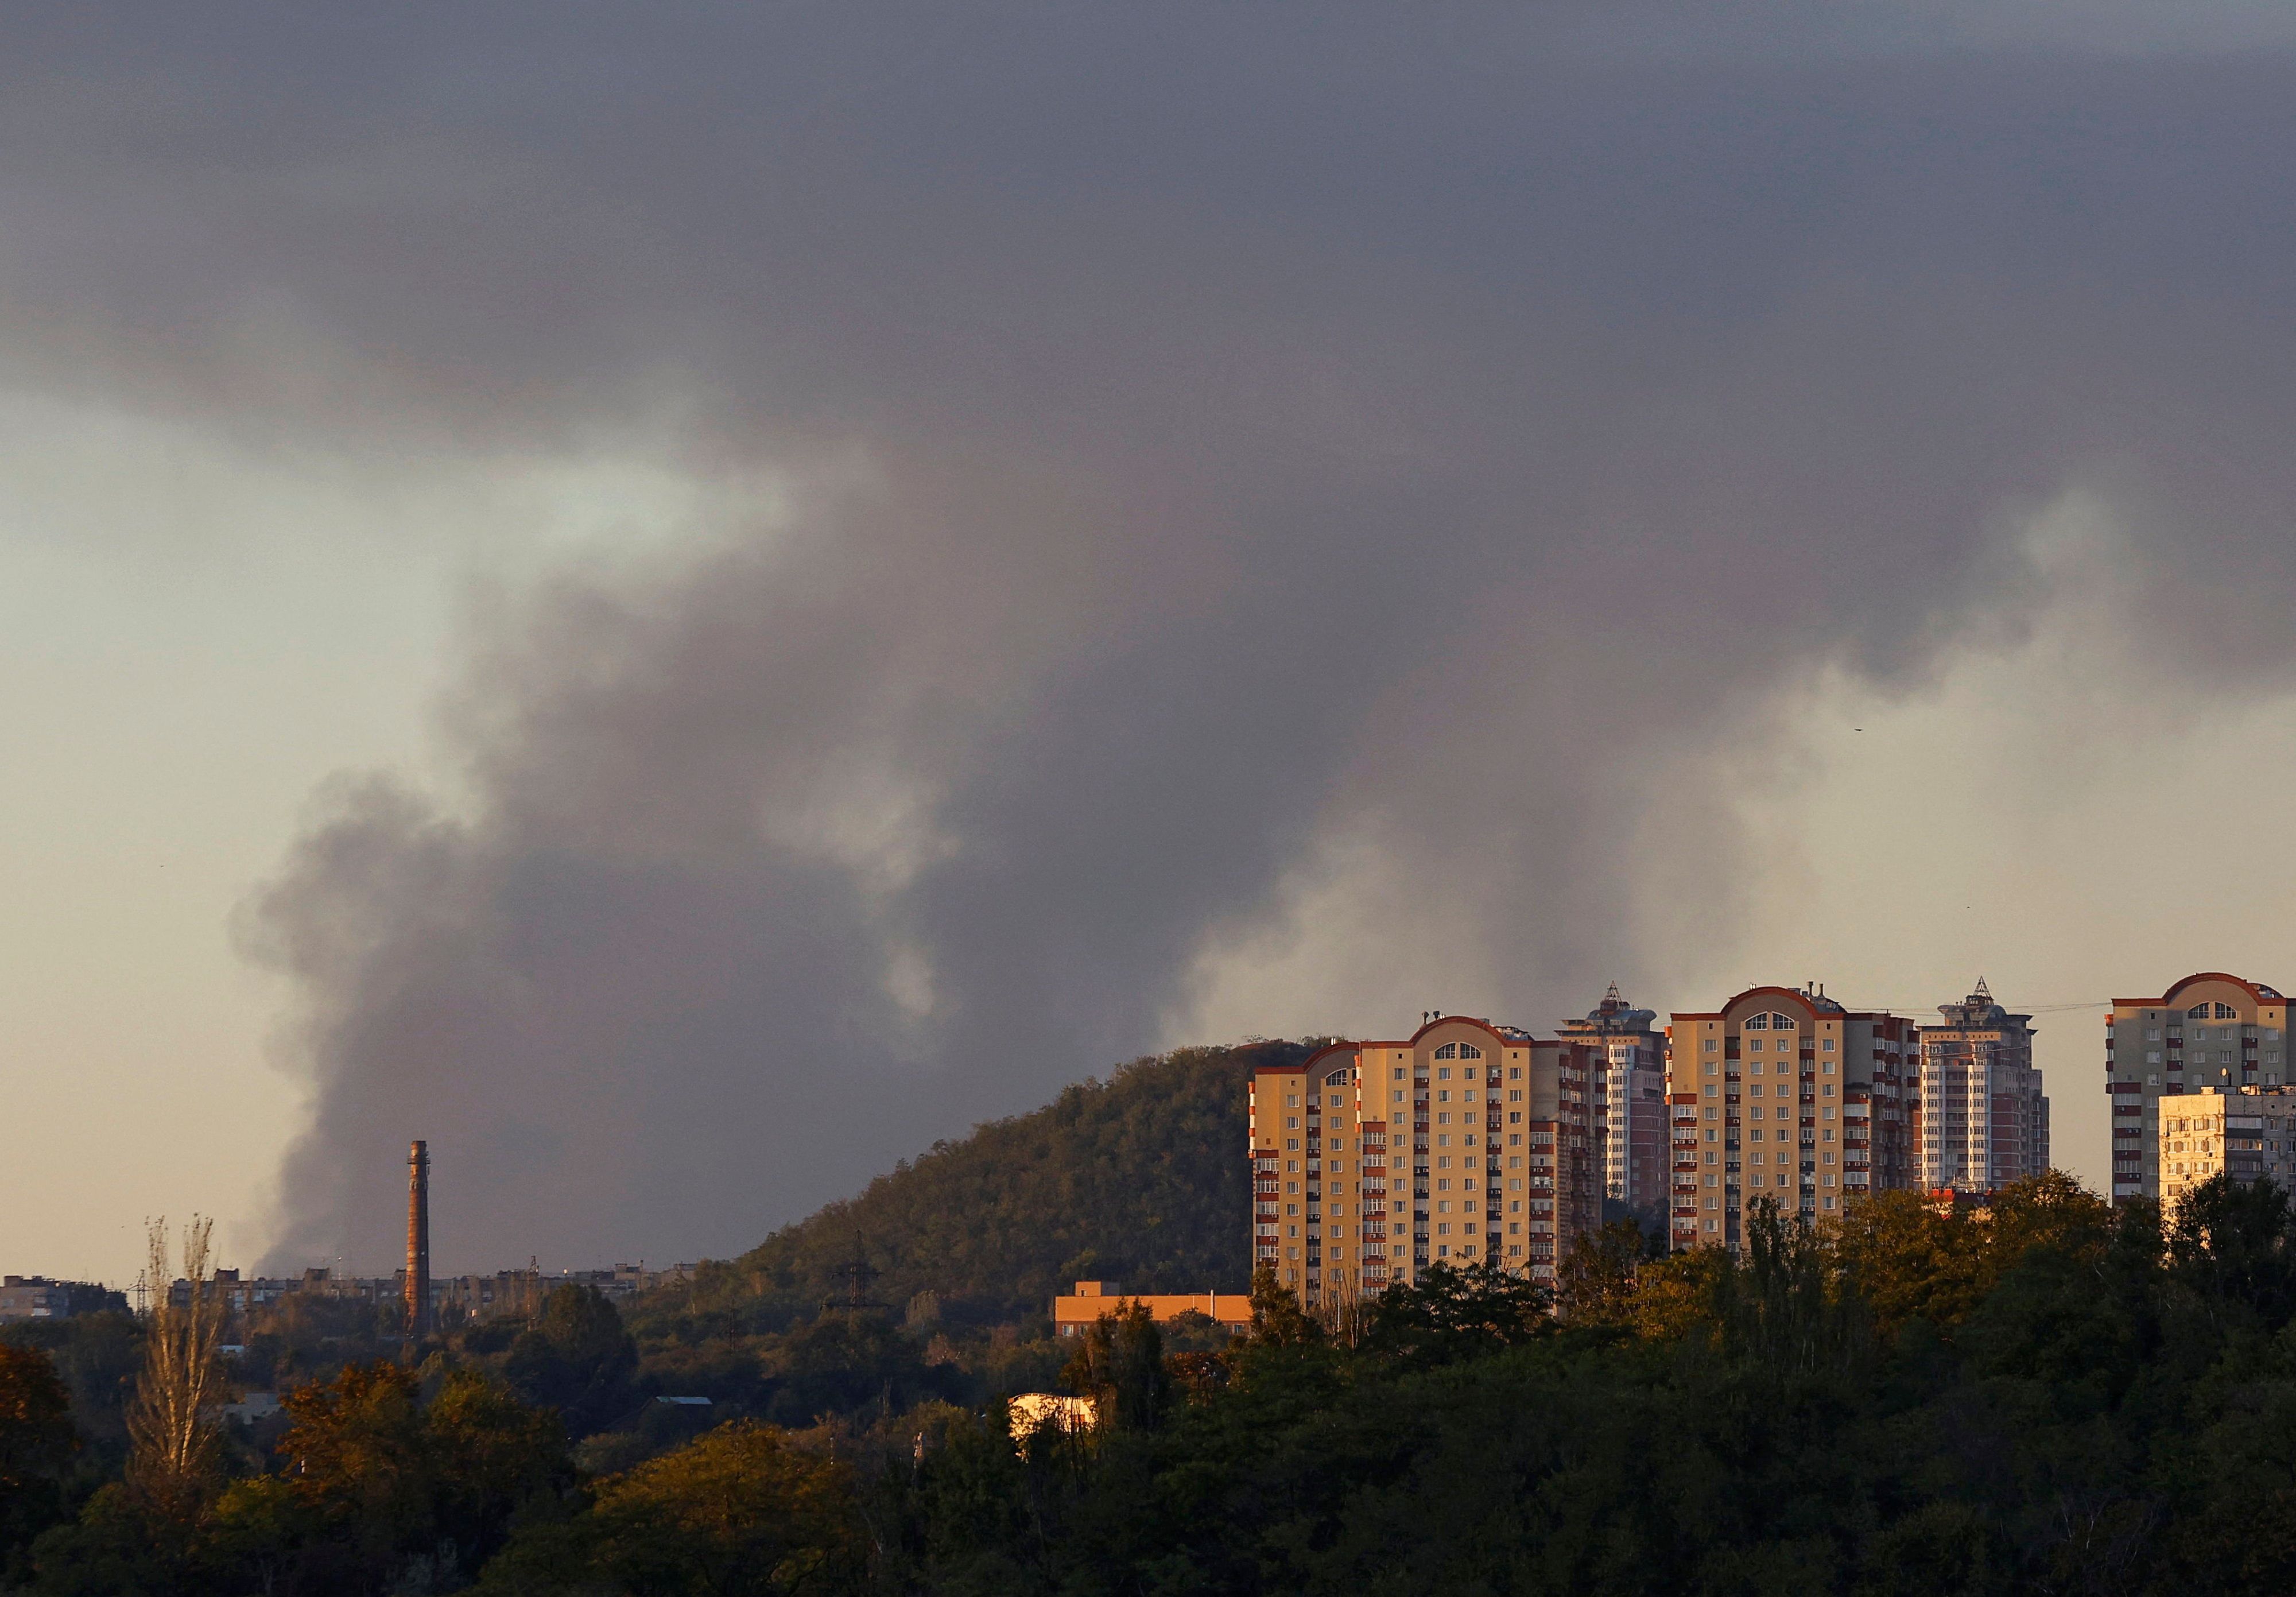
<point x="1225" y="460"/>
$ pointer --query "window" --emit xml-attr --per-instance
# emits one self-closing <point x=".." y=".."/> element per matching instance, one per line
<point x="2198" y="1012"/>
<point x="1469" y="1051"/>
<point x="1826" y="1047"/>
<point x="2225" y="1011"/>
<point x="1336" y="1101"/>
<point x="1709" y="1045"/>
<point x="1447" y="1050"/>
<point x="1756" y="1023"/>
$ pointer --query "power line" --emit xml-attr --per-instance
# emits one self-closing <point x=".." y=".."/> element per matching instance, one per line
<point x="2037" y="1008"/>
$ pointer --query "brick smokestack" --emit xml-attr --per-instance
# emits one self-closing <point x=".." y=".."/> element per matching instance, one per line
<point x="418" y="1239"/>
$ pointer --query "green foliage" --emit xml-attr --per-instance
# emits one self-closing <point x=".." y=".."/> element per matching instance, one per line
<point x="741" y="1512"/>
<point x="1120" y="1364"/>
<point x="1278" y="1320"/>
<point x="96" y="1357"/>
<point x="37" y="1441"/>
<point x="576" y="1357"/>
<point x="379" y="1490"/>
<point x="1595" y="1284"/>
<point x="1452" y="1313"/>
<point x="1138" y="1179"/>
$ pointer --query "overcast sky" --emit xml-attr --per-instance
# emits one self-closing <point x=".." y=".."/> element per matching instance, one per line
<point x="682" y="601"/>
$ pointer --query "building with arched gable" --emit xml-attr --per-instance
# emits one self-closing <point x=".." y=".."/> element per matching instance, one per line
<point x="2209" y="1033"/>
<point x="1466" y="1143"/>
<point x="1783" y="1094"/>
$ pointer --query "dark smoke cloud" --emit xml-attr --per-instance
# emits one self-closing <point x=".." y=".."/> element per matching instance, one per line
<point x="1209" y="430"/>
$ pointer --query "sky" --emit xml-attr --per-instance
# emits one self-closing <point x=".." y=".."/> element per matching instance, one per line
<point x="684" y="602"/>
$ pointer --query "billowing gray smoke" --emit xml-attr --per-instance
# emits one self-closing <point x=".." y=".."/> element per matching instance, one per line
<point x="1209" y="430"/>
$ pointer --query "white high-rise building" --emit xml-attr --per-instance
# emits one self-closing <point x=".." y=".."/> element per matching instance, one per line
<point x="1981" y="1120"/>
<point x="1629" y="1098"/>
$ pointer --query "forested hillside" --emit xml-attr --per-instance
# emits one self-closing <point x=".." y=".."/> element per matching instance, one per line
<point x="1138" y="1179"/>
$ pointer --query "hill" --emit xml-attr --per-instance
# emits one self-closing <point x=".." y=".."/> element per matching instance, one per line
<point x="1139" y="1179"/>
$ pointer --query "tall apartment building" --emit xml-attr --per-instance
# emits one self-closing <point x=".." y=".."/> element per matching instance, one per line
<point x="1467" y="1144"/>
<point x="1981" y="1120"/>
<point x="1759" y="1090"/>
<point x="2209" y="1030"/>
<point x="1630" y="1094"/>
<point x="2249" y="1135"/>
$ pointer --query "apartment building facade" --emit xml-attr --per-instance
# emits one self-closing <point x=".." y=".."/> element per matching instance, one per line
<point x="1980" y="1119"/>
<point x="1783" y="1094"/>
<point x="2209" y="1031"/>
<point x="1628" y="1077"/>
<point x="1466" y="1143"/>
<point x="38" y="1298"/>
<point x="2249" y="1135"/>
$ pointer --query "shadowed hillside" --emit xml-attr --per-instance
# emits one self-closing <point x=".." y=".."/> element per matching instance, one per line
<point x="1139" y="1179"/>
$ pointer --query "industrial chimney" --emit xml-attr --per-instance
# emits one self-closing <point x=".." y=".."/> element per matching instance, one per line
<point x="418" y="1239"/>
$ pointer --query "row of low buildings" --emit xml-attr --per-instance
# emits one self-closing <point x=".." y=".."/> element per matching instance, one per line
<point x="1472" y="1142"/>
<point x="454" y="1299"/>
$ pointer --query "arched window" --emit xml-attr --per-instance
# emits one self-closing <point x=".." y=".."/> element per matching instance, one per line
<point x="2225" y="1011"/>
<point x="1447" y="1050"/>
<point x="1756" y="1023"/>
<point x="1779" y="1022"/>
<point x="1339" y="1079"/>
<point x="1469" y="1051"/>
<point x="2198" y="1012"/>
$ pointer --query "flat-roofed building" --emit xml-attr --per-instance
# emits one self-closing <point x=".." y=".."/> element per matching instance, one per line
<point x="1073" y="1313"/>
<point x="2249" y="1135"/>
<point x="37" y="1298"/>
<point x="2209" y="1030"/>
<point x="1980" y="1119"/>
<point x="1466" y="1143"/>
<point x="1628" y="1081"/>
<point x="1783" y="1093"/>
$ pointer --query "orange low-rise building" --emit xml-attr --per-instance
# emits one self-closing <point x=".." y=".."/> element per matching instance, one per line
<point x="1093" y="1299"/>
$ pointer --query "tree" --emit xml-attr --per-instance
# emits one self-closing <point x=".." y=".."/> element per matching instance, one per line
<point x="491" y="1455"/>
<point x="1595" y="1285"/>
<point x="35" y="1441"/>
<point x="738" y="1512"/>
<point x="1120" y="1364"/>
<point x="1782" y="1309"/>
<point x="1452" y="1313"/>
<point x="1278" y="1320"/>
<point x="358" y="1462"/>
<point x="2228" y="1241"/>
<point x="1912" y="1258"/>
<point x="171" y="1429"/>
<point x="576" y="1357"/>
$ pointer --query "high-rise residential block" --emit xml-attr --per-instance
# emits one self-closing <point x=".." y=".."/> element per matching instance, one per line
<point x="2209" y="1030"/>
<point x="1783" y="1093"/>
<point x="2249" y="1135"/>
<point x="1981" y="1120"/>
<point x="1466" y="1143"/>
<point x="1628" y="1082"/>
